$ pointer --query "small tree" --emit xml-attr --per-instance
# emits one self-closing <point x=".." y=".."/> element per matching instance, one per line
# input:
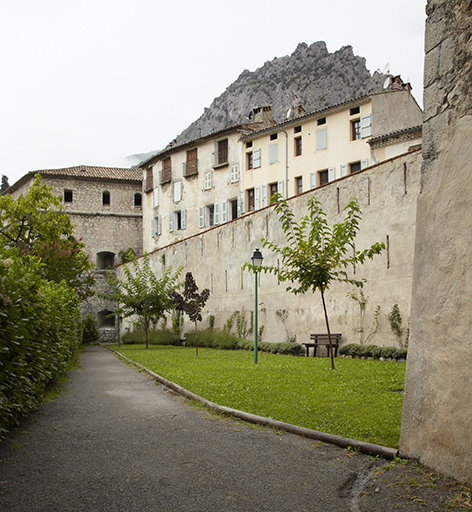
<point x="5" y="185"/>
<point x="141" y="293"/>
<point x="191" y="302"/>
<point x="316" y="254"/>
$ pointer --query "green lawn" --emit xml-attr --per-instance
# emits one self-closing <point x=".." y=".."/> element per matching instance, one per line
<point x="360" y="399"/>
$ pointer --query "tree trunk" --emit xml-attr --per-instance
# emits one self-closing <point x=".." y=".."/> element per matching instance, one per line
<point x="146" y="331"/>
<point x="327" y="327"/>
<point x="196" y="338"/>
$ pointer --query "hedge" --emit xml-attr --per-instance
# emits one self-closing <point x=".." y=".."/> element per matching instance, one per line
<point x="40" y="330"/>
<point x="356" y="350"/>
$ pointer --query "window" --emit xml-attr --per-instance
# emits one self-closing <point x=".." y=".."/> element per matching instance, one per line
<point x="149" y="183"/>
<point x="297" y="129"/>
<point x="272" y="190"/>
<point x="105" y="260"/>
<point x="250" y="200"/>
<point x="356" y="129"/>
<point x="156" y="226"/>
<point x="178" y="221"/>
<point x="273" y="136"/>
<point x="166" y="170"/>
<point x="298" y="146"/>
<point x="106" y="198"/>
<point x="233" y="209"/>
<point x="138" y="200"/>
<point x="298" y="185"/>
<point x="273" y="153"/>
<point x="249" y="161"/>
<point x="234" y="173"/>
<point x="68" y="195"/>
<point x="177" y="191"/>
<point x="221" y="156"/>
<point x="354" y="111"/>
<point x="322" y="177"/>
<point x="321" y="121"/>
<point x="191" y="165"/>
<point x="249" y="144"/>
<point x="207" y="181"/>
<point x="354" y="167"/>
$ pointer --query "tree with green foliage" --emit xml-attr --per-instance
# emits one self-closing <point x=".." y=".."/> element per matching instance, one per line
<point x="316" y="254"/>
<point x="191" y="302"/>
<point x="4" y="185"/>
<point x="36" y="225"/>
<point x="142" y="293"/>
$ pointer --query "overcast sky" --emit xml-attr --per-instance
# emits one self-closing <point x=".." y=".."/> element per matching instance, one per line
<point x="93" y="81"/>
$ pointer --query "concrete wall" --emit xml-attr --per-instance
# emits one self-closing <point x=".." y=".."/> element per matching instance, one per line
<point x="387" y="195"/>
<point x="437" y="411"/>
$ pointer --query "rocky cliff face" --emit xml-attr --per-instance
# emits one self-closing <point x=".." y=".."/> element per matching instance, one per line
<point x="311" y="77"/>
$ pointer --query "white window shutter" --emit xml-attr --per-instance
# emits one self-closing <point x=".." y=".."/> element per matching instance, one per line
<point x="224" y="211"/>
<point x="156" y="197"/>
<point x="216" y="212"/>
<point x="312" y="179"/>
<point x="207" y="181"/>
<point x="234" y="173"/>
<point x="257" y="201"/>
<point x="201" y="216"/>
<point x="321" y="139"/>
<point x="273" y="153"/>
<point x="364" y="163"/>
<point x="241" y="204"/>
<point x="183" y="219"/>
<point x="171" y="222"/>
<point x="331" y="174"/>
<point x="264" y="196"/>
<point x="153" y="232"/>
<point x="256" y="158"/>
<point x="280" y="188"/>
<point x="177" y="191"/>
<point x="343" y="170"/>
<point x="159" y="225"/>
<point x="366" y="126"/>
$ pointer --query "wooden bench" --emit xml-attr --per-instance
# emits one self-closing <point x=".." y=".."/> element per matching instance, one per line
<point x="322" y="340"/>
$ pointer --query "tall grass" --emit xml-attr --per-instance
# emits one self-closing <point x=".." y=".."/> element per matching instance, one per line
<point x="361" y="399"/>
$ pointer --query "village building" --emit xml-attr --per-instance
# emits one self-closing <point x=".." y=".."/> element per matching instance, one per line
<point x="105" y="207"/>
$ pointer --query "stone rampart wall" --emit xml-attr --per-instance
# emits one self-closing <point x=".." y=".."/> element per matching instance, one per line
<point x="387" y="195"/>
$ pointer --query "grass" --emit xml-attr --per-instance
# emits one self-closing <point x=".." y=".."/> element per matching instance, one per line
<point x="357" y="400"/>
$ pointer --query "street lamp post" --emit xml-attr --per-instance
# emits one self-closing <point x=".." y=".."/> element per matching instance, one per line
<point x="257" y="262"/>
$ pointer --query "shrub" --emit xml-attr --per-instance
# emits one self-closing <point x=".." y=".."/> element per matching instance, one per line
<point x="213" y="338"/>
<point x="90" y="329"/>
<point x="155" y="337"/>
<point x="388" y="352"/>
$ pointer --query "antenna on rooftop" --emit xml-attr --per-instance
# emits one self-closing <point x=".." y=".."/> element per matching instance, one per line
<point x="386" y="69"/>
<point x="289" y="113"/>
<point x="387" y="82"/>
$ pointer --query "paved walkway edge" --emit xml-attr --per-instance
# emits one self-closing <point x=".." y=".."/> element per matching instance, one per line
<point x="344" y="442"/>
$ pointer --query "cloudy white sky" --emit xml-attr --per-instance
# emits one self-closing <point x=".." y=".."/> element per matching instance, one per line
<point x="92" y="81"/>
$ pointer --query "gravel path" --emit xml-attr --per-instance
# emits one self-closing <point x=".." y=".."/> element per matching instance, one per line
<point x="116" y="441"/>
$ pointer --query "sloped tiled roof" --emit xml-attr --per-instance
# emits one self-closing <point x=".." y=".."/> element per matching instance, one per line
<point x="85" y="172"/>
<point x="116" y="173"/>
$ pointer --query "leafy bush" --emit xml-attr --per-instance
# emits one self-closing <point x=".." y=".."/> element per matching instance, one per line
<point x="354" y="349"/>
<point x="91" y="332"/>
<point x="213" y="338"/>
<point x="40" y="331"/>
<point x="155" y="337"/>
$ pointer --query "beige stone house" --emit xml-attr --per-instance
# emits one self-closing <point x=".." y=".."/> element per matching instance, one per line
<point x="105" y="206"/>
<point x="313" y="149"/>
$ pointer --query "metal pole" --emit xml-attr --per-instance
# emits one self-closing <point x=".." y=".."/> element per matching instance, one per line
<point x="118" y="328"/>
<point x="255" y="327"/>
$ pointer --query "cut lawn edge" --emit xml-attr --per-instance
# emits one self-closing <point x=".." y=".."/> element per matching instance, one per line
<point x="344" y="442"/>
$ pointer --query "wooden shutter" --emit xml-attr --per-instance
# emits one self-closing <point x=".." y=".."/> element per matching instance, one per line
<point x="171" y="222"/>
<point x="364" y="163"/>
<point x="321" y="139"/>
<point x="256" y="158"/>
<point x="156" y="197"/>
<point x="177" y="191"/>
<point x="331" y="174"/>
<point x="343" y="170"/>
<point x="264" y="196"/>
<point x="159" y="225"/>
<point x="224" y="211"/>
<point x="366" y="126"/>
<point x="183" y="219"/>
<point x="234" y="173"/>
<point x="201" y="216"/>
<point x="153" y="232"/>
<point x="280" y="188"/>
<point x="216" y="213"/>
<point x="257" y="202"/>
<point x="273" y="153"/>
<point x="312" y="179"/>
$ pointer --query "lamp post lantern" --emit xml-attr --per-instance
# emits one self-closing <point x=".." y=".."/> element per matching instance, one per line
<point x="257" y="262"/>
